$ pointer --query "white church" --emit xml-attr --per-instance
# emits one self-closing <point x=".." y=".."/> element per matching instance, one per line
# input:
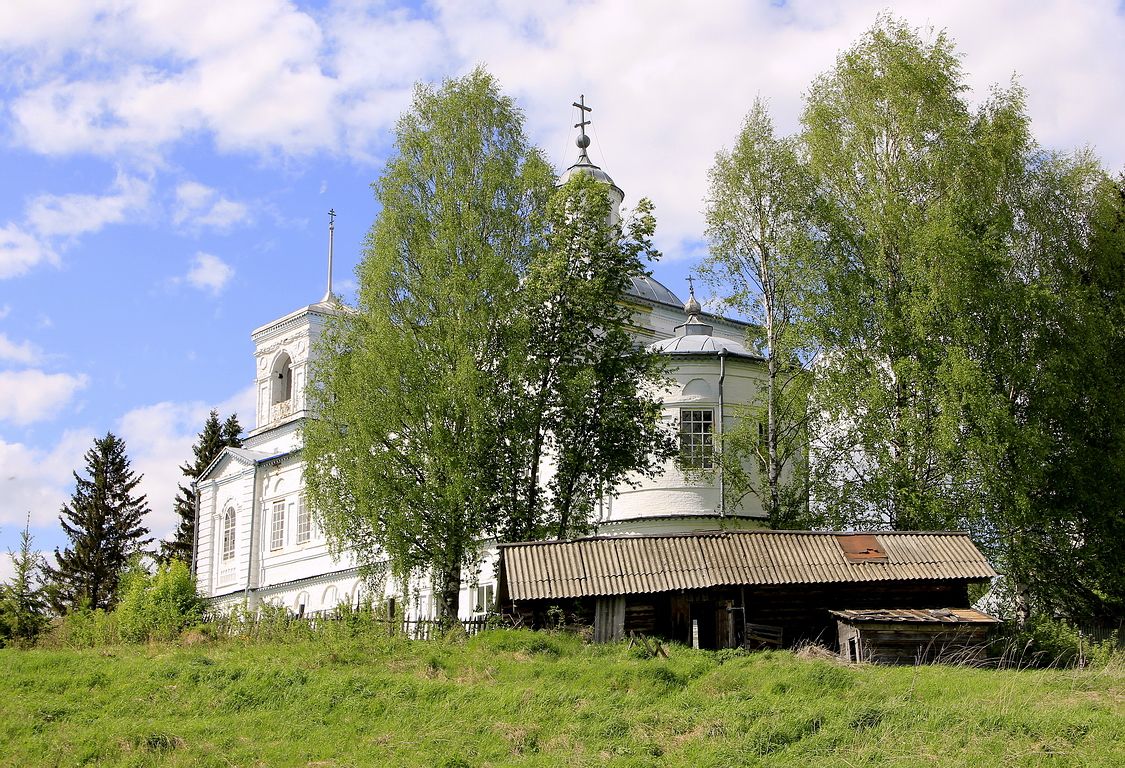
<point x="257" y="542"/>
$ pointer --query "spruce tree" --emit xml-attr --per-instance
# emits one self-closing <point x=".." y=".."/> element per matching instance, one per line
<point x="212" y="440"/>
<point x="23" y="612"/>
<point x="103" y="521"/>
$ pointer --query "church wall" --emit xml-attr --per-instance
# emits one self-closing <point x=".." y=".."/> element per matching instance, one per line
<point x="232" y="487"/>
<point x="676" y="493"/>
<point x="655" y="321"/>
<point x="282" y="484"/>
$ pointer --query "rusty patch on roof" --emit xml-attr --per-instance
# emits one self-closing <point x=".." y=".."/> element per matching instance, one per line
<point x="861" y="548"/>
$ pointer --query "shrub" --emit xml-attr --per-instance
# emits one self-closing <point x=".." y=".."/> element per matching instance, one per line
<point x="82" y="628"/>
<point x="158" y="606"/>
<point x="1045" y="641"/>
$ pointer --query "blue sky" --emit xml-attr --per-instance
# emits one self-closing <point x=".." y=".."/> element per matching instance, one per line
<point x="167" y="168"/>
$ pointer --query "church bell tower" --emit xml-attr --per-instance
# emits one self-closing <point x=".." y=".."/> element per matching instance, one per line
<point x="284" y="351"/>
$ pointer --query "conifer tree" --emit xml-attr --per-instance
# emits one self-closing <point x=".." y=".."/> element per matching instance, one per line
<point x="103" y="521"/>
<point x="214" y="437"/>
<point x="23" y="612"/>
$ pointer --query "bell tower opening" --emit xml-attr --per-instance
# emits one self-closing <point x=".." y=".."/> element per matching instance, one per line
<point x="282" y="378"/>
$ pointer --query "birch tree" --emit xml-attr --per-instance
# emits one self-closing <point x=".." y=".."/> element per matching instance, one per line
<point x="762" y="263"/>
<point x="408" y="397"/>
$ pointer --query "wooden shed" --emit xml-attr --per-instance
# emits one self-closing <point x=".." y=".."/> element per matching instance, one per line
<point x="733" y="588"/>
<point x="913" y="636"/>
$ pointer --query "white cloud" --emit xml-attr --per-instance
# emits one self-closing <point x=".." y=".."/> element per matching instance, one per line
<point x="39" y="481"/>
<point x="20" y="251"/>
<point x="157" y="70"/>
<point x="159" y="438"/>
<point x="669" y="87"/>
<point x="69" y="215"/>
<point x="209" y="273"/>
<point x="30" y="395"/>
<point x="200" y="206"/>
<point x="25" y="353"/>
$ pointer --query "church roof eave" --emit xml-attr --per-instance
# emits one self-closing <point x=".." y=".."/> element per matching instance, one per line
<point x="243" y="456"/>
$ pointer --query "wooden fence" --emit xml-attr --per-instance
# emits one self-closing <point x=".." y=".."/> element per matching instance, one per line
<point x="415" y="629"/>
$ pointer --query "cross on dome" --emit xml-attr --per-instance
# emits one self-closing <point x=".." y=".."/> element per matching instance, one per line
<point x="583" y="140"/>
<point x="692" y="307"/>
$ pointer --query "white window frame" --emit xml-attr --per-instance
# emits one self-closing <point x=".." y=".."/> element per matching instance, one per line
<point x="277" y="526"/>
<point x="697" y="438"/>
<point x="481" y="598"/>
<point x="304" y="523"/>
<point x="229" y="520"/>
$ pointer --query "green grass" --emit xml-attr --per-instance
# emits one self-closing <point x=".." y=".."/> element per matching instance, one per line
<point x="519" y="698"/>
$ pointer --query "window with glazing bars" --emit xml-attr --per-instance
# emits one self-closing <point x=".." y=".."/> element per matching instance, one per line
<point x="482" y="598"/>
<point x="228" y="534"/>
<point x="696" y="437"/>
<point x="304" y="522"/>
<point x="277" y="526"/>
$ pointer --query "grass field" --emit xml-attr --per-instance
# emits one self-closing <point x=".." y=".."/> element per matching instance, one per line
<point x="519" y="698"/>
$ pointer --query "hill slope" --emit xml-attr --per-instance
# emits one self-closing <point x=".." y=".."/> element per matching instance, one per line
<point x="519" y="698"/>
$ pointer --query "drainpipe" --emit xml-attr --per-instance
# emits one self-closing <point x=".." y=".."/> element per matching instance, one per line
<point x="722" y="472"/>
<point x="253" y="538"/>
<point x="195" y="529"/>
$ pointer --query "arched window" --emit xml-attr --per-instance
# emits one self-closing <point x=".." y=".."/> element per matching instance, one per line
<point x="301" y="604"/>
<point x="228" y="534"/>
<point x="330" y="599"/>
<point x="282" y="376"/>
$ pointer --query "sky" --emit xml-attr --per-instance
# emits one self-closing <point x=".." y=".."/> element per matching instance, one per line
<point x="167" y="167"/>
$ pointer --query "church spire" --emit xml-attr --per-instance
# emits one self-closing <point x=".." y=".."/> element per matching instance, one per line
<point x="328" y="298"/>
<point x="585" y="167"/>
<point x="694" y="325"/>
<point x="583" y="141"/>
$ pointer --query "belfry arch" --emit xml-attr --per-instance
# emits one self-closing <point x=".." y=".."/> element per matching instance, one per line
<point x="281" y="390"/>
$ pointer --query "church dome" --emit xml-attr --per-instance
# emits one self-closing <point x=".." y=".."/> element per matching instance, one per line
<point x="646" y="287"/>
<point x="698" y="344"/>
<point x="694" y="336"/>
<point x="586" y="168"/>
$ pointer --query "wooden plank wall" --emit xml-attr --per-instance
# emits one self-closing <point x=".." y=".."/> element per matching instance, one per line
<point x="609" y="619"/>
<point x="909" y="643"/>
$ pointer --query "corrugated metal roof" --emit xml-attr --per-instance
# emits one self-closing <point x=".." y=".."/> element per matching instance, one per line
<point x="916" y="616"/>
<point x="644" y="564"/>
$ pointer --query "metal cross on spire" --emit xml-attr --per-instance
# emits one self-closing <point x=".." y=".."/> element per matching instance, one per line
<point x="583" y="140"/>
<point x="331" y="235"/>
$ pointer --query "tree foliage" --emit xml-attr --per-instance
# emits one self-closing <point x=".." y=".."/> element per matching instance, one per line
<point x="915" y="212"/>
<point x="103" y="521"/>
<point x="407" y="394"/>
<point x="763" y="261"/>
<point x="213" y="438"/>
<point x="158" y="606"/>
<point x="584" y="391"/>
<point x="968" y="306"/>
<point x="23" y="608"/>
<point x="488" y="340"/>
